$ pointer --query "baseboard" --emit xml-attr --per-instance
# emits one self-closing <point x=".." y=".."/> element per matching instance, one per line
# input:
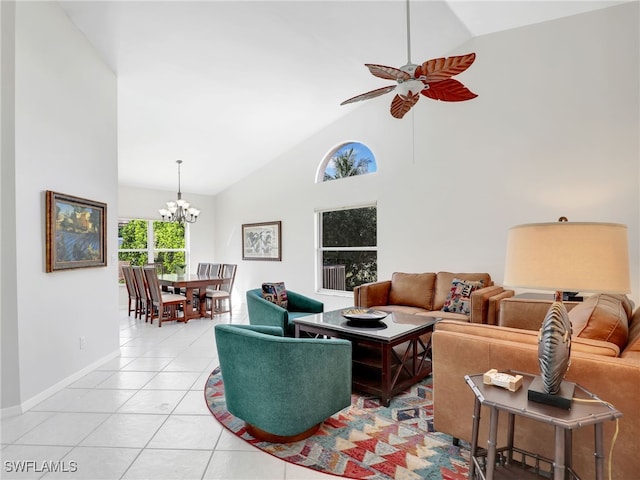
<point x="36" y="399"/>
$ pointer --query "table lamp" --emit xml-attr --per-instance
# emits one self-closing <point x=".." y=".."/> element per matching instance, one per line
<point x="564" y="256"/>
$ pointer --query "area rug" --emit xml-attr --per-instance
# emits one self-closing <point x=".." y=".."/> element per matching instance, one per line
<point x="365" y="440"/>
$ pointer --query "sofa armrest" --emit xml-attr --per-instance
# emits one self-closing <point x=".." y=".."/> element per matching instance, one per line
<point x="480" y="303"/>
<point x="370" y="294"/>
<point x="493" y="311"/>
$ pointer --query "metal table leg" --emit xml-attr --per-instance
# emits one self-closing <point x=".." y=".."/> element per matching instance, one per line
<point x="474" y="438"/>
<point x="559" y="469"/>
<point x="599" y="453"/>
<point x="492" y="443"/>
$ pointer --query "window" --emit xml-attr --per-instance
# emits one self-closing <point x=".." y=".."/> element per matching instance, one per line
<point x="148" y="241"/>
<point x="348" y="251"/>
<point x="347" y="160"/>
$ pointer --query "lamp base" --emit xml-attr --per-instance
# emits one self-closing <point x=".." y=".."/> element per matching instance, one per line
<point x="562" y="399"/>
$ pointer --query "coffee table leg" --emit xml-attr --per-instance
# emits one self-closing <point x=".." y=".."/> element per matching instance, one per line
<point x="385" y="397"/>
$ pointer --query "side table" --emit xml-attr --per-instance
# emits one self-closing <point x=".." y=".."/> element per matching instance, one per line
<point x="483" y="463"/>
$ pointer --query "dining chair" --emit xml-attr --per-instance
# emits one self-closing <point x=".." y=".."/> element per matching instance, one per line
<point x="132" y="291"/>
<point x="164" y="306"/>
<point x="216" y="296"/>
<point x="143" y="292"/>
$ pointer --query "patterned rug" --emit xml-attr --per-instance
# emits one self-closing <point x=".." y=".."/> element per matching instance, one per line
<point x="365" y="440"/>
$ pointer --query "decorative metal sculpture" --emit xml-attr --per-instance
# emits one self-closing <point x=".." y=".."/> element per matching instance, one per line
<point x="554" y="347"/>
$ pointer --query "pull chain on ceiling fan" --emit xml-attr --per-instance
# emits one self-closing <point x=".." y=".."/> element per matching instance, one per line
<point x="431" y="79"/>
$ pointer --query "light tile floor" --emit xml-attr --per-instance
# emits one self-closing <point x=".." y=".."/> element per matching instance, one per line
<point x="140" y="416"/>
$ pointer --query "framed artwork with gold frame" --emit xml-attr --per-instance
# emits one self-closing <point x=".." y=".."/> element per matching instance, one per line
<point x="75" y="232"/>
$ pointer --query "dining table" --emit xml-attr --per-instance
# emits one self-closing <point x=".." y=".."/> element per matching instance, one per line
<point x="191" y="283"/>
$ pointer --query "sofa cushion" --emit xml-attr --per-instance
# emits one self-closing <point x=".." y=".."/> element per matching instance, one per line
<point x="443" y="285"/>
<point x="412" y="289"/>
<point x="275" y="293"/>
<point x="601" y="317"/>
<point x="459" y="298"/>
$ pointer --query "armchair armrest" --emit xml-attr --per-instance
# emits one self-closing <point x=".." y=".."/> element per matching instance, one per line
<point x="480" y="302"/>
<point x="266" y="329"/>
<point x="370" y="294"/>
<point x="263" y="312"/>
<point x="301" y="303"/>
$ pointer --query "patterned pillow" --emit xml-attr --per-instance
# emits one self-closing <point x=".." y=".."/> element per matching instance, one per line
<point x="459" y="298"/>
<point x="275" y="293"/>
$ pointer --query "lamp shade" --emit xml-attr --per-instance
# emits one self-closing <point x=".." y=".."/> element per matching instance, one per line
<point x="568" y="256"/>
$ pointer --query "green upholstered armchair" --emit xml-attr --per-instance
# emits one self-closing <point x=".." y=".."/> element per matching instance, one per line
<point x="279" y="404"/>
<point x="263" y="312"/>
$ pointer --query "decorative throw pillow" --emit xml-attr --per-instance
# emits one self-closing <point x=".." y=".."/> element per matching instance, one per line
<point x="275" y="293"/>
<point x="459" y="298"/>
<point x="601" y="317"/>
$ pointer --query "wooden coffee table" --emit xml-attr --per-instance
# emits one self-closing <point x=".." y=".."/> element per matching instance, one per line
<point x="388" y="357"/>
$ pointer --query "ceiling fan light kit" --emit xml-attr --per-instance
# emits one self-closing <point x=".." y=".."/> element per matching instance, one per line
<point x="431" y="79"/>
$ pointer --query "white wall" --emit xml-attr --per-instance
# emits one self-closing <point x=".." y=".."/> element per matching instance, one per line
<point x="8" y="270"/>
<point x="65" y="140"/>
<point x="553" y="132"/>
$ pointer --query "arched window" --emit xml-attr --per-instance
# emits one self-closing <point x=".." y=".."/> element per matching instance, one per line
<point x="347" y="160"/>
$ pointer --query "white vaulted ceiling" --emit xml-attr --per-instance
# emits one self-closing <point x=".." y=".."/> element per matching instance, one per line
<point x="227" y="86"/>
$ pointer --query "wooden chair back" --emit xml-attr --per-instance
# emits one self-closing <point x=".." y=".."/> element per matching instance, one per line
<point x="141" y="285"/>
<point x="130" y="283"/>
<point x="132" y="291"/>
<point x="151" y="275"/>
<point x="143" y="291"/>
<point x="229" y="274"/>
<point x="203" y="269"/>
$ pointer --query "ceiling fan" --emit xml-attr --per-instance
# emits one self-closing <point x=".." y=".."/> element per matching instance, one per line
<point x="431" y="79"/>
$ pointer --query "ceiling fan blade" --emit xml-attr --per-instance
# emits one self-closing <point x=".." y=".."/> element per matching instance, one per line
<point x="448" y="90"/>
<point x="388" y="73"/>
<point x="401" y="104"/>
<point x="371" y="94"/>
<point x="439" y="69"/>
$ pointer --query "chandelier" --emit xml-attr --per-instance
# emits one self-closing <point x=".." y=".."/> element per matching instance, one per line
<point x="179" y="211"/>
